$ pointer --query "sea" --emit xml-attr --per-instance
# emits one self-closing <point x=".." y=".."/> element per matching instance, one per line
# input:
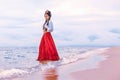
<point x="21" y="61"/>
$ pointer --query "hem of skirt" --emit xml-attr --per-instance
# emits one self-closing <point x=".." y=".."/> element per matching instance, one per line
<point x="49" y="60"/>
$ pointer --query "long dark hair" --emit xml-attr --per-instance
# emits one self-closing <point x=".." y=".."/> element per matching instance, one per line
<point x="49" y="14"/>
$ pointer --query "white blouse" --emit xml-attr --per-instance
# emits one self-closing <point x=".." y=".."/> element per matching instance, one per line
<point x="49" y="26"/>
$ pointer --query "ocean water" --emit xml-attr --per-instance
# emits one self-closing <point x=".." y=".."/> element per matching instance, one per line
<point x="20" y="61"/>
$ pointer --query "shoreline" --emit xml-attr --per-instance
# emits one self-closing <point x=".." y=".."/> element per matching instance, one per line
<point x="102" y="66"/>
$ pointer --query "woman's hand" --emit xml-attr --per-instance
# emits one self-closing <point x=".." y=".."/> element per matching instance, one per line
<point x="45" y="30"/>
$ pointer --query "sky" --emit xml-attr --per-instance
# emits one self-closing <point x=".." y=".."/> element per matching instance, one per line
<point x="76" y="22"/>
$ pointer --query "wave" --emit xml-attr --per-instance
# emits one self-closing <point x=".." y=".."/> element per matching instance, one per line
<point x="75" y="57"/>
<point x="7" y="74"/>
<point x="70" y="56"/>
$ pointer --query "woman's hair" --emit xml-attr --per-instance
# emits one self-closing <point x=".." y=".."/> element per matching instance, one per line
<point x="49" y="14"/>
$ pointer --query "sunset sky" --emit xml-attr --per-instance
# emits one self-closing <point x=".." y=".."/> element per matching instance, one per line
<point x="76" y="22"/>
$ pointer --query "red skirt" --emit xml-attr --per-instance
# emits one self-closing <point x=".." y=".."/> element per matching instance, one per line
<point x="47" y="48"/>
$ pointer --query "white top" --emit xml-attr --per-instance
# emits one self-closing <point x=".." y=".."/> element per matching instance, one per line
<point x="49" y="26"/>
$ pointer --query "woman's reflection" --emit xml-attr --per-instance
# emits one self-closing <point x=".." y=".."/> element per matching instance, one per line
<point x="51" y="74"/>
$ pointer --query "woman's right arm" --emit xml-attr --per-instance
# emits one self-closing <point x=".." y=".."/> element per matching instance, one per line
<point x="49" y="27"/>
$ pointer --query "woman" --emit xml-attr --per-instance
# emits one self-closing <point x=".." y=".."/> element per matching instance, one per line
<point x="47" y="48"/>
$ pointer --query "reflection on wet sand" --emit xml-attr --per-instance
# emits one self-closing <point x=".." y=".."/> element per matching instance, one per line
<point x="50" y="74"/>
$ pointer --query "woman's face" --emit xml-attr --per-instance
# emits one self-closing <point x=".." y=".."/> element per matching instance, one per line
<point x="47" y="17"/>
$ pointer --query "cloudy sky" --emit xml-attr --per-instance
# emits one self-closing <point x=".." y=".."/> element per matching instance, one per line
<point x="76" y="22"/>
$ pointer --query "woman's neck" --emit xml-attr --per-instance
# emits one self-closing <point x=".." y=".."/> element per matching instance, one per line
<point x="47" y="20"/>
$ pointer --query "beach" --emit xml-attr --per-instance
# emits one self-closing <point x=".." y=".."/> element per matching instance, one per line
<point x="108" y="69"/>
<point x="100" y="66"/>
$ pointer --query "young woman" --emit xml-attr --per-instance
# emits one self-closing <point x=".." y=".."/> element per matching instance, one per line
<point x="47" y="48"/>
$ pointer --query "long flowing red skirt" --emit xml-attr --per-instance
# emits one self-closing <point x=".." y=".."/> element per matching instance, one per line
<point x="47" y="48"/>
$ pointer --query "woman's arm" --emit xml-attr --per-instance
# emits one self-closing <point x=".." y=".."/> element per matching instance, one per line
<point x="49" y="26"/>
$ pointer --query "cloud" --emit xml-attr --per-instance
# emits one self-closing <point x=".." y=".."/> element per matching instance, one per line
<point x="117" y="31"/>
<point x="92" y="38"/>
<point x="75" y="22"/>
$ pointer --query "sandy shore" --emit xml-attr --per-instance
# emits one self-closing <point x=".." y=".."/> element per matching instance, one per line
<point x="108" y="69"/>
<point x="104" y="66"/>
